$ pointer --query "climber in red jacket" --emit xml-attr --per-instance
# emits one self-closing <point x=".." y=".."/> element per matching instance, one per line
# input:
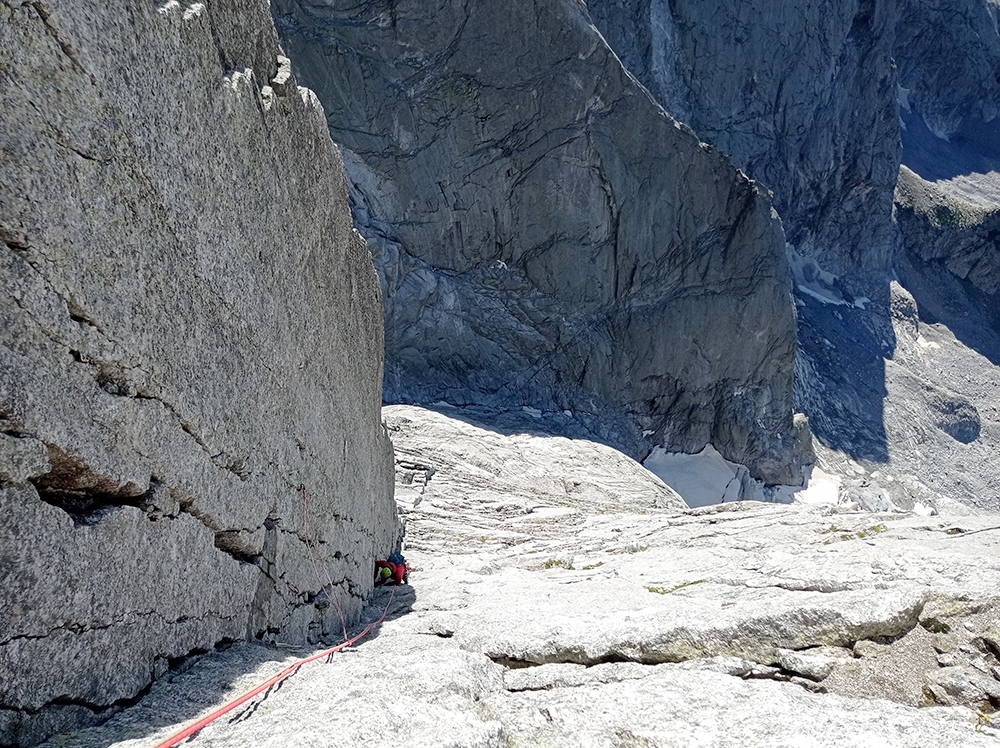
<point x="392" y="571"/>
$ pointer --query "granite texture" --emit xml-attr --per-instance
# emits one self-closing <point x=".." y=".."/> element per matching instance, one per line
<point x="190" y="335"/>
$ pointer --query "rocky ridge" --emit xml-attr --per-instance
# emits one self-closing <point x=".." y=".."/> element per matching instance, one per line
<point x="190" y="356"/>
<point x="566" y="613"/>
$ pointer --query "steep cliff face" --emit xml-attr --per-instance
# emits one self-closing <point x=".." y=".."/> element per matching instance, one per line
<point x="948" y="197"/>
<point x="546" y="235"/>
<point x="190" y="355"/>
<point x="802" y="96"/>
<point x="948" y="54"/>
<point x="806" y="98"/>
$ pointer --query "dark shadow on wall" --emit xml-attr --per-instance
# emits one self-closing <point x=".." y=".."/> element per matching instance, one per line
<point x="840" y="371"/>
<point x="971" y="315"/>
<point x="202" y="681"/>
<point x="973" y="149"/>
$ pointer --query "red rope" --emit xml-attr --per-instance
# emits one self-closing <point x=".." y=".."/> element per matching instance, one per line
<point x="226" y="708"/>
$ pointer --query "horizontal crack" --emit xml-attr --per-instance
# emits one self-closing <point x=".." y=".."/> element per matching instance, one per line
<point x="78" y="628"/>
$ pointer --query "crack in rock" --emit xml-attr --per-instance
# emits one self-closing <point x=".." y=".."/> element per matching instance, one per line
<point x="67" y="48"/>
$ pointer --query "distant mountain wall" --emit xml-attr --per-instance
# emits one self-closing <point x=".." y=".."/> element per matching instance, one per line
<point x="801" y="95"/>
<point x="948" y="56"/>
<point x="546" y="235"/>
<point x="948" y="196"/>
<point x="898" y="325"/>
<point x="191" y="449"/>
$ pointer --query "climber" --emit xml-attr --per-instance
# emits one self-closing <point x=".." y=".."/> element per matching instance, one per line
<point x="392" y="571"/>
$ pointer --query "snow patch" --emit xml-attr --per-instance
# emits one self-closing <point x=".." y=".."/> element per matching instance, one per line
<point x="925" y="343"/>
<point x="903" y="98"/>
<point x="821" y="488"/>
<point x="823" y="298"/>
<point x="705" y="478"/>
<point x="533" y="412"/>
<point x="813" y="281"/>
<point x="708" y="478"/>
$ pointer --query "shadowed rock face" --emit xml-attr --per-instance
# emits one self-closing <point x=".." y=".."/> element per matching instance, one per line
<point x="948" y="53"/>
<point x="190" y="331"/>
<point x="802" y="96"/>
<point x="948" y="196"/>
<point x="545" y="234"/>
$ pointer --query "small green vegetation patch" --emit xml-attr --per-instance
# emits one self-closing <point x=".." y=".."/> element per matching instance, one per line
<point x="558" y="563"/>
<point x="869" y="531"/>
<point x="668" y="590"/>
<point x="588" y="567"/>
<point x="945" y="216"/>
<point x="864" y="532"/>
<point x="935" y="626"/>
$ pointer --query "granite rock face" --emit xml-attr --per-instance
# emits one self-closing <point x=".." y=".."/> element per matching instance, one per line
<point x="555" y="617"/>
<point x="952" y="222"/>
<point x="948" y="55"/>
<point x="190" y="355"/>
<point x="546" y="235"/>
<point x="802" y="96"/>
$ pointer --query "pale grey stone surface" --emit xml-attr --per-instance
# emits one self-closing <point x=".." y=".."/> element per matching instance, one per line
<point x="546" y="235"/>
<point x="447" y="453"/>
<point x="22" y="458"/>
<point x="578" y="624"/>
<point x="190" y="330"/>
